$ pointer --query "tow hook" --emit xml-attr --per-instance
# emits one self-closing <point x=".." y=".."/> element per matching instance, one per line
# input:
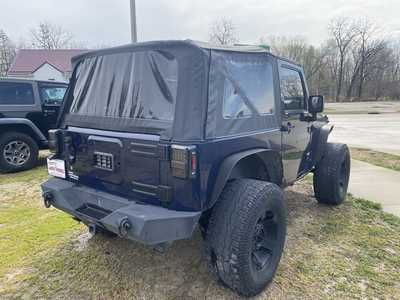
<point x="124" y="227"/>
<point x="48" y="199"/>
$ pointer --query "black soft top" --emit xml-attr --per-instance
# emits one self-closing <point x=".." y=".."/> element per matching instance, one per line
<point x="171" y="43"/>
<point x="178" y="43"/>
<point x="200" y="73"/>
<point x="190" y="96"/>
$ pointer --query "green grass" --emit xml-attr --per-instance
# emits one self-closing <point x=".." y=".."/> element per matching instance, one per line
<point x="377" y="158"/>
<point x="349" y="251"/>
<point x="350" y="112"/>
<point x="39" y="174"/>
<point x="352" y="252"/>
<point x="27" y="229"/>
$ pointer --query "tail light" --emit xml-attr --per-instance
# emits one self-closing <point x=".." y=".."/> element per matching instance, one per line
<point x="184" y="161"/>
<point x="54" y="145"/>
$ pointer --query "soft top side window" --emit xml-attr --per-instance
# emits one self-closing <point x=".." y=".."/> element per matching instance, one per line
<point x="16" y="93"/>
<point x="248" y="88"/>
<point x="292" y="91"/>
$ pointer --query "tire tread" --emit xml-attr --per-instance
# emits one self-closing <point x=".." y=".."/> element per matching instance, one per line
<point x="8" y="136"/>
<point x="327" y="175"/>
<point x="227" y="232"/>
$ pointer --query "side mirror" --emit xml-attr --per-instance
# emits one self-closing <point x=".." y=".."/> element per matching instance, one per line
<point x="316" y="104"/>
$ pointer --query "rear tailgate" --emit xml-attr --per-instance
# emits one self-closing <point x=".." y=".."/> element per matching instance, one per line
<point x="126" y="164"/>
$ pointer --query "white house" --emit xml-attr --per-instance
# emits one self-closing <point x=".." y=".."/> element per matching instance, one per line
<point x="41" y="64"/>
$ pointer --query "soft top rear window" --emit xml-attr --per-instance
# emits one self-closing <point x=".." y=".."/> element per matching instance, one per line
<point x="133" y="85"/>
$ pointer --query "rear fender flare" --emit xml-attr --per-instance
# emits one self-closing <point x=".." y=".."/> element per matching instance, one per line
<point x="272" y="162"/>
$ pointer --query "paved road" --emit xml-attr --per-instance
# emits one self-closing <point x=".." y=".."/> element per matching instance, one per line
<point x="380" y="132"/>
<point x="366" y="106"/>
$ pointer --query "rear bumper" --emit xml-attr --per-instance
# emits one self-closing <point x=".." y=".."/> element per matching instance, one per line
<point x="148" y="224"/>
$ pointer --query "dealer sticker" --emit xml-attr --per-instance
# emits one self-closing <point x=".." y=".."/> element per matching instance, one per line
<point x="56" y="167"/>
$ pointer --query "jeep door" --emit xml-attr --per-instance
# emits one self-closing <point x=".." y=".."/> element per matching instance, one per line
<point x="295" y="129"/>
<point x="51" y="98"/>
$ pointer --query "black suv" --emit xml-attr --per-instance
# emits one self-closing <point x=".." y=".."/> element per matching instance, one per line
<point x="28" y="109"/>
<point x="156" y="138"/>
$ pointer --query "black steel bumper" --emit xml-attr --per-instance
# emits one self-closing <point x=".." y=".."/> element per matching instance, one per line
<point x="148" y="224"/>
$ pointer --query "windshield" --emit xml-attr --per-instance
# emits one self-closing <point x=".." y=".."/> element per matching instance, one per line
<point x="135" y="85"/>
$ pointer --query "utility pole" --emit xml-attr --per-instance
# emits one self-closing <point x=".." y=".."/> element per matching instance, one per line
<point x="133" y="22"/>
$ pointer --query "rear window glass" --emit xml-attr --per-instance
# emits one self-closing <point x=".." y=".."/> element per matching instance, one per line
<point x="16" y="93"/>
<point x="137" y="85"/>
<point x="52" y="95"/>
<point x="248" y="89"/>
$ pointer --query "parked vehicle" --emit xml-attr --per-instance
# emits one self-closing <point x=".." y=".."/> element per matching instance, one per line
<point x="28" y="109"/>
<point x="156" y="138"/>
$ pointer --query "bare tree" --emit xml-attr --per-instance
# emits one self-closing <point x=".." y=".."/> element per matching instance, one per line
<point x="49" y="36"/>
<point x="343" y="33"/>
<point x="7" y="53"/>
<point x="355" y="61"/>
<point x="299" y="50"/>
<point x="223" y="32"/>
<point x="366" y="56"/>
<point x="369" y="49"/>
<point x="289" y="47"/>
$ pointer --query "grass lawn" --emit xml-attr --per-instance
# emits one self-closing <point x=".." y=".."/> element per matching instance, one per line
<point x="350" y="112"/>
<point x="27" y="229"/>
<point x="351" y="251"/>
<point x="377" y="158"/>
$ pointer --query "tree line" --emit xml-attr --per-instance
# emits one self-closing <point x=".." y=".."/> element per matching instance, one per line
<point x="356" y="62"/>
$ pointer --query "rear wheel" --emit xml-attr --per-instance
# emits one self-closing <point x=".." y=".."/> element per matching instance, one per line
<point x="246" y="235"/>
<point x="331" y="177"/>
<point x="18" y="152"/>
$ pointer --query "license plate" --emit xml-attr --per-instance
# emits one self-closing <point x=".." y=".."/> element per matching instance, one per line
<point x="56" y="167"/>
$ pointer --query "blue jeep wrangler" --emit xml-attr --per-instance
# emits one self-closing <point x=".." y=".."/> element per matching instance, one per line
<point x="156" y="138"/>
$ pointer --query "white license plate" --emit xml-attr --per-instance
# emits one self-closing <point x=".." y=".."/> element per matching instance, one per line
<point x="56" y="167"/>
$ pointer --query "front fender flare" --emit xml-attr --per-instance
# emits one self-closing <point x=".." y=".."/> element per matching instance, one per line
<point x="26" y="122"/>
<point x="319" y="141"/>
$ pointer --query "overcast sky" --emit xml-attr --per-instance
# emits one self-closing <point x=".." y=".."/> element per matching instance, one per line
<point x="106" y="22"/>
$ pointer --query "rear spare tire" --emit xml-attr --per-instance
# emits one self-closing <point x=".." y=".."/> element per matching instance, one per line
<point x="18" y="151"/>
<point x="246" y="235"/>
<point x="331" y="176"/>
